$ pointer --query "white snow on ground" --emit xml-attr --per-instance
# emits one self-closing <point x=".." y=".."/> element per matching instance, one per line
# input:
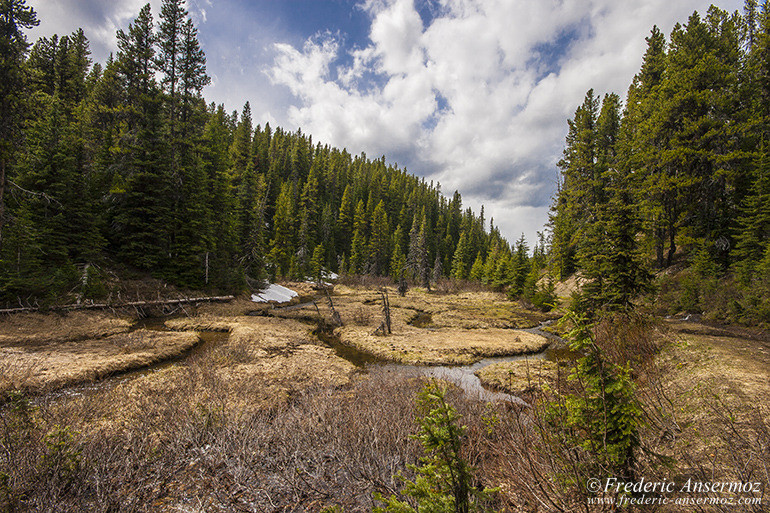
<point x="275" y="293"/>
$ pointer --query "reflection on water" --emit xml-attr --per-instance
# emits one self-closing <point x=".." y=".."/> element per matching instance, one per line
<point x="461" y="375"/>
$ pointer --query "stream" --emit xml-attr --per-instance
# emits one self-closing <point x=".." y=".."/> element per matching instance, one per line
<point x="461" y="375"/>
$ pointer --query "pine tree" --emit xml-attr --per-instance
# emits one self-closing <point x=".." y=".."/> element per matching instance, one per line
<point x="753" y="234"/>
<point x="444" y="478"/>
<point x="477" y="269"/>
<point x="398" y="260"/>
<point x="345" y="217"/>
<point x="170" y="43"/>
<point x="379" y="242"/>
<point x="142" y="211"/>
<point x="317" y="263"/>
<point x="461" y="256"/>
<point x="438" y="268"/>
<point x="604" y="418"/>
<point x="417" y="258"/>
<point x="579" y="190"/>
<point x="519" y="268"/>
<point x="15" y="17"/>
<point x="221" y="242"/>
<point x="283" y="232"/>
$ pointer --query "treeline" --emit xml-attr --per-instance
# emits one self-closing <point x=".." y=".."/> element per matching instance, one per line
<point x="680" y="174"/>
<point x="125" y="164"/>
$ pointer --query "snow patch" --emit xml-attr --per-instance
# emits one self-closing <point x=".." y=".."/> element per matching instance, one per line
<point x="275" y="293"/>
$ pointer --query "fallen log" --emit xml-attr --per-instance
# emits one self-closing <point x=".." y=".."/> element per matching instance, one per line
<point x="130" y="304"/>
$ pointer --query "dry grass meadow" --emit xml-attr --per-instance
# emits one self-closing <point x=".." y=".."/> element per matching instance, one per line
<point x="263" y="415"/>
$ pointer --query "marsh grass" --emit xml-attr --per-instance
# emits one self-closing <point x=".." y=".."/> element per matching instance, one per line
<point x="189" y="443"/>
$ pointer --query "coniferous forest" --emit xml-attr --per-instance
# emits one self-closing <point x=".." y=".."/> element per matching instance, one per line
<point x="633" y="353"/>
<point x="677" y="175"/>
<point x="123" y="165"/>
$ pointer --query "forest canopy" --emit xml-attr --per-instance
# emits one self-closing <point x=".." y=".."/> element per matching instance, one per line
<point x="125" y="164"/>
<point x="678" y="176"/>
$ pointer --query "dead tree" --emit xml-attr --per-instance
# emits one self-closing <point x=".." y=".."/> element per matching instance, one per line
<point x="384" y="328"/>
<point x="336" y="319"/>
<point x="403" y="286"/>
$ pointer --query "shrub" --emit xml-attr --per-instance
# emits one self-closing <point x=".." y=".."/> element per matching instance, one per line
<point x="444" y="479"/>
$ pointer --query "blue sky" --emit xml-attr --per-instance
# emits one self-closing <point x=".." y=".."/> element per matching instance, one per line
<point x="474" y="94"/>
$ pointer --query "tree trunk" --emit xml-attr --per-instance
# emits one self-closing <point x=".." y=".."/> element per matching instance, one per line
<point x="2" y="199"/>
<point x="671" y="246"/>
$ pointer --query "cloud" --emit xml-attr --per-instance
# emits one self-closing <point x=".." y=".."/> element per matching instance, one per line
<point x="472" y="93"/>
<point x="99" y="20"/>
<point x="478" y="97"/>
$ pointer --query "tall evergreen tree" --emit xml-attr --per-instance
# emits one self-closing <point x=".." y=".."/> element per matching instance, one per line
<point x="379" y="242"/>
<point x="15" y="17"/>
<point x="461" y="256"/>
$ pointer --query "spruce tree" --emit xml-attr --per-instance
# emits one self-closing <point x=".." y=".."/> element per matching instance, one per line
<point x="461" y="256"/>
<point x="15" y="17"/>
<point x="379" y="242"/>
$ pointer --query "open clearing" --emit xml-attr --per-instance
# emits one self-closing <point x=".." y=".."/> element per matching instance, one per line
<point x="265" y="345"/>
<point x="263" y="413"/>
<point x="431" y="329"/>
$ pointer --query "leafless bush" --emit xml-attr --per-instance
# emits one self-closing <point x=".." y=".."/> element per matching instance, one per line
<point x="365" y="281"/>
<point x="447" y="286"/>
<point x="361" y="316"/>
<point x="190" y="441"/>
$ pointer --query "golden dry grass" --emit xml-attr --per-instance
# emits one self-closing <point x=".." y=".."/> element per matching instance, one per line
<point x="45" y="351"/>
<point x="466" y="310"/>
<point x="708" y="365"/>
<point x="449" y="346"/>
<point x="521" y="375"/>
<point x="270" y="357"/>
<point x="730" y="365"/>
<point x="56" y="364"/>
<point x="719" y="383"/>
<point x="432" y="329"/>
<point x="26" y="329"/>
<point x="276" y="357"/>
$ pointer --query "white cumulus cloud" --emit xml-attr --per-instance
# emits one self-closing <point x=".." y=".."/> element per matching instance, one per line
<point x="479" y="97"/>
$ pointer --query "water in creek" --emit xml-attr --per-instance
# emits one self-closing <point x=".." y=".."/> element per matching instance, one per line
<point x="461" y="375"/>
